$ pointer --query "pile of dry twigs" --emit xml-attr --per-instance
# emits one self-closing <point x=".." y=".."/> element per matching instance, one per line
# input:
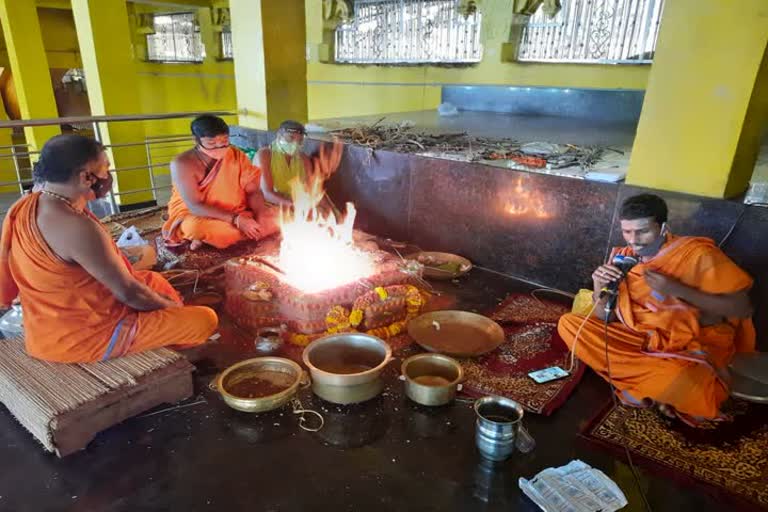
<point x="405" y="138"/>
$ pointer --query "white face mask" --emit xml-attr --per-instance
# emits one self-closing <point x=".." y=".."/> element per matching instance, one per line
<point x="289" y="148"/>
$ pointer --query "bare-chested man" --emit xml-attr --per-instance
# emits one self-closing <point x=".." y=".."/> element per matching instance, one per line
<point x="216" y="198"/>
<point x="82" y="300"/>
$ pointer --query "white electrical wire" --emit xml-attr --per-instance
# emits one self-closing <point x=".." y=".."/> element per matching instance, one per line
<point x="576" y="339"/>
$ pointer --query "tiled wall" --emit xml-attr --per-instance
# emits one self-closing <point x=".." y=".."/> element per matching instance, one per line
<point x="480" y="212"/>
<point x="594" y="104"/>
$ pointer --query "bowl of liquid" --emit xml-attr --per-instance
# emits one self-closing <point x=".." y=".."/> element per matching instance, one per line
<point x="260" y="384"/>
<point x="431" y="379"/>
<point x="346" y="368"/>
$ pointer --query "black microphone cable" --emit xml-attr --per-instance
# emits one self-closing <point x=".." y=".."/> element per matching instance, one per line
<point x="616" y="404"/>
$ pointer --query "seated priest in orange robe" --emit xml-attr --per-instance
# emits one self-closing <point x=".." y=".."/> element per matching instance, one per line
<point x="216" y="196"/>
<point x="681" y="314"/>
<point x="81" y="299"/>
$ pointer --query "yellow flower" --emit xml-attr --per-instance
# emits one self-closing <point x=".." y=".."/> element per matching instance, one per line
<point x="336" y="314"/>
<point x="382" y="293"/>
<point x="300" y="339"/>
<point x="356" y="317"/>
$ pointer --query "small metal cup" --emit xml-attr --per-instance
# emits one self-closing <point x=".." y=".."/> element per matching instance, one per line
<point x="268" y="339"/>
<point x="499" y="428"/>
<point x="435" y="366"/>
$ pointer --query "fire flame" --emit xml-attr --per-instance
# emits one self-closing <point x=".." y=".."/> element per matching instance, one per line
<point x="527" y="203"/>
<point x="317" y="251"/>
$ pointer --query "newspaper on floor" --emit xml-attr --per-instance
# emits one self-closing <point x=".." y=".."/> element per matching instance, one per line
<point x="575" y="487"/>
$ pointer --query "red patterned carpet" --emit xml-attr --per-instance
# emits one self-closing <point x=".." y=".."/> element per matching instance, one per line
<point x="532" y="343"/>
<point x="731" y="459"/>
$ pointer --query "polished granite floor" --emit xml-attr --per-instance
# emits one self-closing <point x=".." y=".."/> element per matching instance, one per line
<point x="387" y="454"/>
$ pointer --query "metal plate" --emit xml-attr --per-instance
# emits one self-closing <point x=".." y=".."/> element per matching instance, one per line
<point x="749" y="376"/>
<point x="433" y="272"/>
<point x="456" y="333"/>
<point x="749" y="389"/>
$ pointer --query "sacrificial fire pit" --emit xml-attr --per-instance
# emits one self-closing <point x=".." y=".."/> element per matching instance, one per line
<point x="320" y="281"/>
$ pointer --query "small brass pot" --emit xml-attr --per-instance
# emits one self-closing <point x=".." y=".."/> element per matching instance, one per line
<point x="281" y="372"/>
<point x="431" y="379"/>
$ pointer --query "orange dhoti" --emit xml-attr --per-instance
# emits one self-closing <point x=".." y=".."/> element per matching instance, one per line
<point x="180" y="328"/>
<point x="69" y="316"/>
<point x="213" y="232"/>
<point x="689" y="387"/>
<point x="658" y="351"/>
<point x="224" y="188"/>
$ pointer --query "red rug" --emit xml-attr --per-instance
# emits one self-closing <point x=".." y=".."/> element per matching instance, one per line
<point x="730" y="459"/>
<point x="532" y="343"/>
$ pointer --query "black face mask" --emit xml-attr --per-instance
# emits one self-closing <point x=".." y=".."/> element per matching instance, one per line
<point x="103" y="186"/>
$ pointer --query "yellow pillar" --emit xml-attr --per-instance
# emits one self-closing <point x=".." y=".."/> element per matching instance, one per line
<point x="7" y="169"/>
<point x="103" y="33"/>
<point x="31" y="76"/>
<point x="269" y="41"/>
<point x="700" y="124"/>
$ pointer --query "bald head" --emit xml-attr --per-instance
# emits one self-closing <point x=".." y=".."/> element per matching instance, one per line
<point x="64" y="156"/>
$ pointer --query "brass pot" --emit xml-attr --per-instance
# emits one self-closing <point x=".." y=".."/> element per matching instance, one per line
<point x="280" y="372"/>
<point x="431" y="379"/>
<point x="346" y="368"/>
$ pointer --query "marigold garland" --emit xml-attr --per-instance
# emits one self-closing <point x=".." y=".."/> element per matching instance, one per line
<point x="339" y="319"/>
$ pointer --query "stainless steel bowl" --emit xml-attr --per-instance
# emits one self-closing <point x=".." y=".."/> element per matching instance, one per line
<point x="346" y="368"/>
<point x="431" y="379"/>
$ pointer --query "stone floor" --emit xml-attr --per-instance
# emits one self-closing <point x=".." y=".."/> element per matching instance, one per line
<point x="387" y="454"/>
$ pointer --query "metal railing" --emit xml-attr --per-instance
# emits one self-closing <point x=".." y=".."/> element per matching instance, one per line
<point x="594" y="32"/>
<point x="22" y="156"/>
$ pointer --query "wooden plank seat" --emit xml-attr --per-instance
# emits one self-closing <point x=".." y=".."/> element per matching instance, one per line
<point x="64" y="406"/>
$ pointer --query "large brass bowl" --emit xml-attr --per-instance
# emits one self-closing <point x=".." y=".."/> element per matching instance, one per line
<point x="346" y="368"/>
<point x="282" y="372"/>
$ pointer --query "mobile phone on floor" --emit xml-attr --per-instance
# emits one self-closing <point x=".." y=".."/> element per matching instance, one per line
<point x="548" y="374"/>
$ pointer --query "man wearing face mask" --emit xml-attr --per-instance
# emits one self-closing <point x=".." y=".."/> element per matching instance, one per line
<point x="216" y="198"/>
<point x="681" y="314"/>
<point x="82" y="300"/>
<point x="283" y="162"/>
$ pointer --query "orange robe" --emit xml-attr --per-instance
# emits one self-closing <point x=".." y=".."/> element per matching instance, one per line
<point x="69" y="316"/>
<point x="223" y="188"/>
<point x="657" y="350"/>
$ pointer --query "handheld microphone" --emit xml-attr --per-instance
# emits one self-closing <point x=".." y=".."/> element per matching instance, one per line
<point x="625" y="264"/>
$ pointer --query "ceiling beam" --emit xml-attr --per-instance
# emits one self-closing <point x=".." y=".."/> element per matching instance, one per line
<point x="169" y="4"/>
<point x="174" y="4"/>
<point x="55" y="4"/>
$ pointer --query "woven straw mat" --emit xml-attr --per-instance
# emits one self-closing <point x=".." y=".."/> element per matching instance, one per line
<point x="37" y="392"/>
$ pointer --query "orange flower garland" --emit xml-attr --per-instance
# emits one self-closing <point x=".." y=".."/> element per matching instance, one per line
<point x="339" y="319"/>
